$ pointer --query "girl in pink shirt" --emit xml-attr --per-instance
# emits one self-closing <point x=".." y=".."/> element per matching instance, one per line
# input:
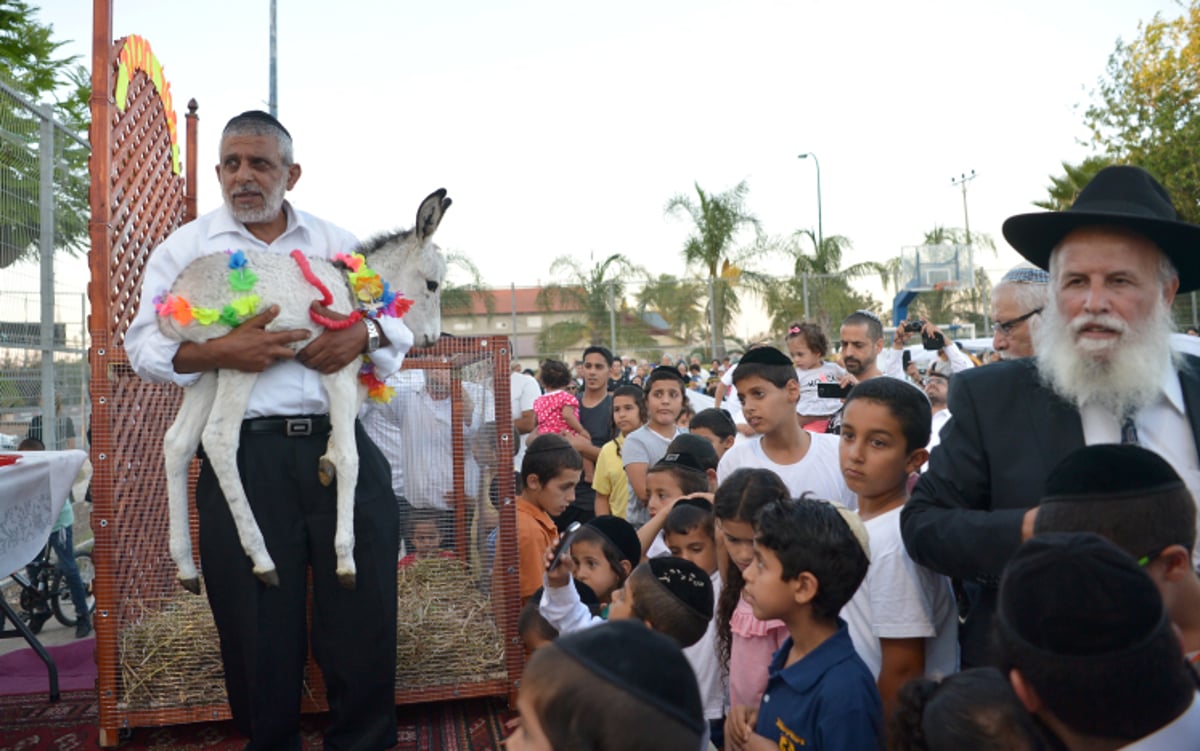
<point x="557" y="410"/>
<point x="746" y="643"/>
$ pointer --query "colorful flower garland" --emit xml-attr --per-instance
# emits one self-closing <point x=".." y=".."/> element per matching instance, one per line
<point x="375" y="296"/>
<point x="241" y="279"/>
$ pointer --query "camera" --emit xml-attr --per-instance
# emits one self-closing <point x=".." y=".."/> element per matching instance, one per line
<point x="832" y="391"/>
<point x="914" y="326"/>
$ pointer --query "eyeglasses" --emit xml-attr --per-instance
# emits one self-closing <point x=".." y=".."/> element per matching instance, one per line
<point x="1007" y="327"/>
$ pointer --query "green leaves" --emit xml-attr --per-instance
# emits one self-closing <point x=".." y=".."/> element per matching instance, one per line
<point x="1146" y="108"/>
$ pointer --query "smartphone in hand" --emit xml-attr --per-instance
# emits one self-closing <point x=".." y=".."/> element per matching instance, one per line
<point x="563" y="546"/>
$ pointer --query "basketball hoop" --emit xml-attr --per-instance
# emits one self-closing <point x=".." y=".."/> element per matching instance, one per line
<point x="942" y="286"/>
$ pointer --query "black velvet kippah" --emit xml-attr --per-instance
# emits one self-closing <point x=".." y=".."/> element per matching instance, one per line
<point x="687" y="581"/>
<point x="1110" y="469"/>
<point x="682" y="460"/>
<point x="645" y="663"/>
<point x="1076" y="594"/>
<point x="621" y="534"/>
<point x="258" y="116"/>
<point x="699" y="503"/>
<point x="765" y="356"/>
<point x="698" y="447"/>
<point x="662" y="370"/>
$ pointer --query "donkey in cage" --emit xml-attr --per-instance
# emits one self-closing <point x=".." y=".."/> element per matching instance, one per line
<point x="213" y="407"/>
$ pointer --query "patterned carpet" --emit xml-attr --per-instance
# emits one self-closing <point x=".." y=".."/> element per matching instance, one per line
<point x="31" y="723"/>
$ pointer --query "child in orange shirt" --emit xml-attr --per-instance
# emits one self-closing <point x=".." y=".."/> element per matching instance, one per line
<point x="549" y="473"/>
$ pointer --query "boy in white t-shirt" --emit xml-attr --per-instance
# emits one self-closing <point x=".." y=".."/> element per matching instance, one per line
<point x="903" y="618"/>
<point x="806" y="462"/>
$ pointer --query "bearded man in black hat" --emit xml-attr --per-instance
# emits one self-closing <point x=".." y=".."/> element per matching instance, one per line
<point x="1104" y="372"/>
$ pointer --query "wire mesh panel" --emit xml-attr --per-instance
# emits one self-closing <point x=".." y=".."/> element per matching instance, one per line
<point x="157" y="649"/>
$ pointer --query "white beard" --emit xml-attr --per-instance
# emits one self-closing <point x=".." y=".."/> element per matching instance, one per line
<point x="1121" y="376"/>
<point x="272" y="204"/>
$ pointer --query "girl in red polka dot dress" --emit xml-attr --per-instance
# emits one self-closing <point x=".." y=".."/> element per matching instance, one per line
<point x="557" y="410"/>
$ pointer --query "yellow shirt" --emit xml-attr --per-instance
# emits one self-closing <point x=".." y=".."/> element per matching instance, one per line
<point x="610" y="479"/>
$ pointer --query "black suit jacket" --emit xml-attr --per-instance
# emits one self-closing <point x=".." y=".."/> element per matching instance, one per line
<point x="1006" y="432"/>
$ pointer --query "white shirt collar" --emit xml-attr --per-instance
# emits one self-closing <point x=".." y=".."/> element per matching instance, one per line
<point x="224" y="222"/>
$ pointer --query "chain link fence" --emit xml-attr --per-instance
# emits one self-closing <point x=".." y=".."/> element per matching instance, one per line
<point x="43" y="302"/>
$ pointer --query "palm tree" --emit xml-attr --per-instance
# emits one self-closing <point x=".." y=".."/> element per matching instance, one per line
<point x="595" y="291"/>
<point x="818" y="284"/>
<point x="718" y="219"/>
<point x="677" y="301"/>
<point x="1065" y="189"/>
<point x="459" y="299"/>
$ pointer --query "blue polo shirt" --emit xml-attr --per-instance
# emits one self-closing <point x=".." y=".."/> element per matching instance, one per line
<point x="826" y="700"/>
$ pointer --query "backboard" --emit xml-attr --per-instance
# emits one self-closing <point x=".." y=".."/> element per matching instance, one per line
<point x="926" y="268"/>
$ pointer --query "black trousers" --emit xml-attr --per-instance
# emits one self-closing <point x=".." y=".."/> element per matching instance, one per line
<point x="263" y="629"/>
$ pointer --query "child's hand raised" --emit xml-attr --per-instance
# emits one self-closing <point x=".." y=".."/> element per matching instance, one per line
<point x="559" y="575"/>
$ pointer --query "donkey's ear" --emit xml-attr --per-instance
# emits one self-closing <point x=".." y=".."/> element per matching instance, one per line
<point x="429" y="216"/>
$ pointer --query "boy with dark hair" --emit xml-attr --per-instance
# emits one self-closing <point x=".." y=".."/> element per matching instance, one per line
<point x="619" y="687"/>
<point x="903" y="618"/>
<point x="677" y="475"/>
<point x="808" y="562"/>
<point x="1089" y="649"/>
<point x="806" y="462"/>
<point x="688" y="532"/>
<point x="1135" y="499"/>
<point x="549" y="474"/>
<point x="595" y="414"/>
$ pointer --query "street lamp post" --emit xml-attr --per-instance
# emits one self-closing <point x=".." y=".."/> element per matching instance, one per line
<point x="820" y="229"/>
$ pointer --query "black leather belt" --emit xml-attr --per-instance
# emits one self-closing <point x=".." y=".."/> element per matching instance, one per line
<point x="292" y="427"/>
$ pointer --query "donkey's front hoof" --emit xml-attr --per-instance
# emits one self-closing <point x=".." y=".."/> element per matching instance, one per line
<point x="347" y="580"/>
<point x="192" y="585"/>
<point x="270" y="577"/>
<point x="326" y="472"/>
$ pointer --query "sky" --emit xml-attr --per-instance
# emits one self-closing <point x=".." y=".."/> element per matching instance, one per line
<point x="563" y="128"/>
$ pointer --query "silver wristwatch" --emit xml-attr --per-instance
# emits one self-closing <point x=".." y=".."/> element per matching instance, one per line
<point x="372" y="335"/>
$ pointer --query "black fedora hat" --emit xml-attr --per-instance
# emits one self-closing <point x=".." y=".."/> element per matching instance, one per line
<point x="1121" y="196"/>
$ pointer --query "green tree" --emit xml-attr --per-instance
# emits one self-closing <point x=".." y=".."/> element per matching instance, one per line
<point x="677" y="301"/>
<point x="458" y="298"/>
<point x="31" y="62"/>
<point x="1064" y="189"/>
<point x="594" y="291"/>
<point x="1146" y="108"/>
<point x="718" y="219"/>
<point x="818" y="276"/>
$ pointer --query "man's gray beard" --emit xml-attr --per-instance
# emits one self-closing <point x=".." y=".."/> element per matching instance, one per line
<point x="272" y="205"/>
<point x="1128" y="379"/>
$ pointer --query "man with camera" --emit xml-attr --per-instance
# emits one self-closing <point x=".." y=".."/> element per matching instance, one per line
<point x="933" y="339"/>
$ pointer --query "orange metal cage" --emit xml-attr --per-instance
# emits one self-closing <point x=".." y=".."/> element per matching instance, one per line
<point x="137" y="201"/>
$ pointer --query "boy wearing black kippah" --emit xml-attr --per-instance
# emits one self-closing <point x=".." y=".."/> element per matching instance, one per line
<point x="1135" y="499"/>
<point x="1088" y="647"/>
<point x="806" y="462"/>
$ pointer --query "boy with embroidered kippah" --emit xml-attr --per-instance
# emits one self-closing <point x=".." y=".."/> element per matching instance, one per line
<point x="806" y="462"/>
<point x="1134" y="498"/>
<point x="809" y="558"/>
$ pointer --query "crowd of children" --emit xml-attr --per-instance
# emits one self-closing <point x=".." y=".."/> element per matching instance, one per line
<point x="754" y="592"/>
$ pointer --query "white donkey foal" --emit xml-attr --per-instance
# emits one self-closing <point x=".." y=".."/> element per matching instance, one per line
<point x="213" y="407"/>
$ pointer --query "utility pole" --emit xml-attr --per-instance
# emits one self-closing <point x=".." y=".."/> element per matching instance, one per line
<point x="962" y="181"/>
<point x="273" y="96"/>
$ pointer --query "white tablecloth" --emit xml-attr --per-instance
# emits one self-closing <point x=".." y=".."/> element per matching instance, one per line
<point x="32" y="492"/>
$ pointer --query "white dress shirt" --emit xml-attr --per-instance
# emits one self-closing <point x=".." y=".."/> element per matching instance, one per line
<point x="287" y="387"/>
